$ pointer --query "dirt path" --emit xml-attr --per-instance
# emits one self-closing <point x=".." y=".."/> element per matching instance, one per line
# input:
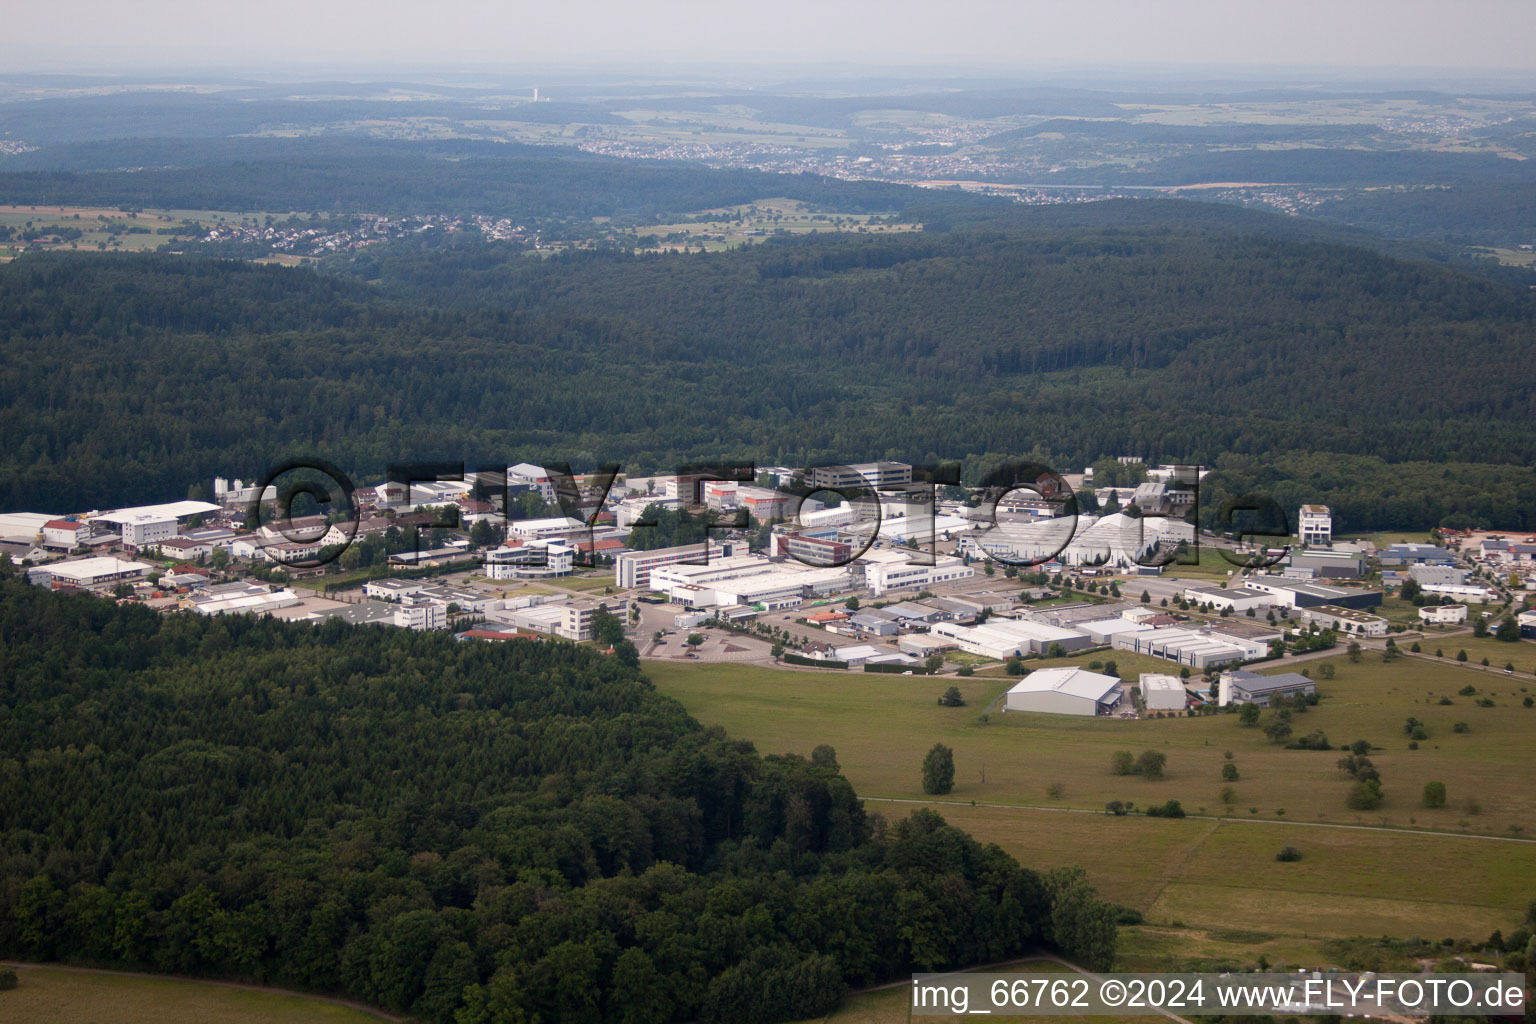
<point x="1218" y="819"/>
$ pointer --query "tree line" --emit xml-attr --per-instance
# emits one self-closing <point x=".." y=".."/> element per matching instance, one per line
<point x="461" y="831"/>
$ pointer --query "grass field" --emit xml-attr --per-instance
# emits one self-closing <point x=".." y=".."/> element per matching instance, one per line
<point x="882" y="725"/>
<point x="742" y="225"/>
<point x="49" y="995"/>
<point x="1395" y="876"/>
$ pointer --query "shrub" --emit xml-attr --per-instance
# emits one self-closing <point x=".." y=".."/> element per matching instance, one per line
<point x="1288" y="854"/>
<point x="8" y="979"/>
<point x="1461" y="727"/>
<point x="1151" y="764"/>
<point x="1171" y="809"/>
<point x="1122" y="763"/>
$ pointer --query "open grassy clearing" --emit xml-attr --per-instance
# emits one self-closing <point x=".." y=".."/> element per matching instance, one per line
<point x="49" y="995"/>
<point x="882" y="725"/>
<point x="739" y="225"/>
<point x="1223" y="874"/>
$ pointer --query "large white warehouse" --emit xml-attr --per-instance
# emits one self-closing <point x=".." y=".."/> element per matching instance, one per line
<point x="1065" y="691"/>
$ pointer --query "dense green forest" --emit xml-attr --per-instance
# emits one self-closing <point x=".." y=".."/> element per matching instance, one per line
<point x="462" y="831"/>
<point x="1397" y="391"/>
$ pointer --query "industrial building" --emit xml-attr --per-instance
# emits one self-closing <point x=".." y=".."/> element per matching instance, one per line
<point x="632" y="569"/>
<point x="885" y="570"/>
<point x="1162" y="692"/>
<point x="569" y="619"/>
<point x="865" y="474"/>
<point x="1345" y="620"/>
<point x="1116" y="540"/>
<point x="240" y="598"/>
<point x="1200" y="650"/>
<point x="1104" y="631"/>
<point x="1294" y="594"/>
<point x="145" y="525"/>
<point x="1236" y="599"/>
<point x="1242" y="687"/>
<point x="1424" y="572"/>
<point x="89" y="572"/>
<point x="1004" y="638"/>
<point x="1324" y="564"/>
<point x="1064" y="691"/>
<point x="1415" y="554"/>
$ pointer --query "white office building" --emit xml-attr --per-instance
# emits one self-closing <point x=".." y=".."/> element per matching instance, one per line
<point x="1314" y="525"/>
<point x="537" y="559"/>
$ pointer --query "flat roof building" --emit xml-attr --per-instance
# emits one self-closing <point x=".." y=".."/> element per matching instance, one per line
<point x="1162" y="692"/>
<point x="1242" y="687"/>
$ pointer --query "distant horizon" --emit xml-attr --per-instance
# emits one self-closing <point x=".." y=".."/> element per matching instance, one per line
<point x="749" y="74"/>
<point x="1362" y="38"/>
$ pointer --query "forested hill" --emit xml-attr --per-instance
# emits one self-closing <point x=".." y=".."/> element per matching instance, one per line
<point x="465" y="832"/>
<point x="1397" y="391"/>
<point x="521" y="182"/>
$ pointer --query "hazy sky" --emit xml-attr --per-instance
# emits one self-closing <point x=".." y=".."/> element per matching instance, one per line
<point x="997" y="34"/>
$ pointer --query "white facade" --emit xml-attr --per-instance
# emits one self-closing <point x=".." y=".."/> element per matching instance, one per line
<point x="541" y="529"/>
<point x="1004" y="638"/>
<point x="63" y="535"/>
<point x="147" y="530"/>
<point x="1443" y="614"/>
<point x="633" y="569"/>
<point x="534" y="560"/>
<point x="1162" y="692"/>
<point x="533" y="477"/>
<point x="1314" y="525"/>
<point x="1237" y="599"/>
<point x="882" y="575"/>
<point x="1346" y="620"/>
<point x="1461" y="591"/>
<point x="90" y="572"/>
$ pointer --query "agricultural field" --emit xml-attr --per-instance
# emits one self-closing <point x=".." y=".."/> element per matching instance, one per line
<point x="1209" y="884"/>
<point x="735" y="226"/>
<point x="51" y="995"/>
<point x="1498" y="652"/>
<point x="882" y="725"/>
<point x="98" y="228"/>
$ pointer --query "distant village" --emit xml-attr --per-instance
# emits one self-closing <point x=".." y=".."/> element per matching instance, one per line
<point x="901" y="577"/>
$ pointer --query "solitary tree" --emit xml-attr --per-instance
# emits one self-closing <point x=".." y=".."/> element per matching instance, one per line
<point x="1434" y="794"/>
<point x="1122" y="762"/>
<point x="1365" y="795"/>
<point x="1151" y="763"/>
<point x="1249" y="714"/>
<point x="952" y="698"/>
<point x="1229" y="772"/>
<point x="939" y="770"/>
